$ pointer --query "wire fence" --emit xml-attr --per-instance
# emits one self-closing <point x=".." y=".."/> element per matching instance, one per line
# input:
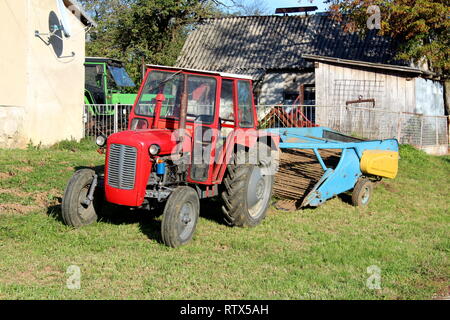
<point x="365" y="122"/>
<point x="105" y="119"/>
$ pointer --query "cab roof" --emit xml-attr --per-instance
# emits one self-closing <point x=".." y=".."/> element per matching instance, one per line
<point x="103" y="60"/>
<point x="222" y="74"/>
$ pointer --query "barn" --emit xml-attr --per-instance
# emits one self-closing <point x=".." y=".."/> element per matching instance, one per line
<point x="312" y="60"/>
<point x="42" y="90"/>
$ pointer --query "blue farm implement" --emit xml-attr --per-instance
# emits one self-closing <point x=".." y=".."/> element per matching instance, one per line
<point x="317" y="164"/>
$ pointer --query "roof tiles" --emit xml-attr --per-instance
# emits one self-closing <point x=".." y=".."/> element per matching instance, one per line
<point x="252" y="45"/>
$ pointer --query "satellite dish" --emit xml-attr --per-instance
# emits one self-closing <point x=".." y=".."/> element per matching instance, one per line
<point x="64" y="19"/>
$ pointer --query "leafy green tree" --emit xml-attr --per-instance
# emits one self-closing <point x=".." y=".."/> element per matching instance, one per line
<point x="421" y="28"/>
<point x="137" y="31"/>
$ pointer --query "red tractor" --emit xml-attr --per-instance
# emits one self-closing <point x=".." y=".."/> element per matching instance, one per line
<point x="192" y="135"/>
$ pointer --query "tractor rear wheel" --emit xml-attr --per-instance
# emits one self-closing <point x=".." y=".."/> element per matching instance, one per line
<point x="180" y="217"/>
<point x="75" y="212"/>
<point x="362" y="193"/>
<point x="248" y="189"/>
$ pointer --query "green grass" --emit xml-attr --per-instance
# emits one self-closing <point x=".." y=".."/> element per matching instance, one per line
<point x="318" y="253"/>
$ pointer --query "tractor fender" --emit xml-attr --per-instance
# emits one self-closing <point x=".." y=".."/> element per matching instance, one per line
<point x="271" y="140"/>
<point x="244" y="139"/>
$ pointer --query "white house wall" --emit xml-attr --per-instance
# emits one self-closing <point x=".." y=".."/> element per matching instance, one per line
<point x="275" y="84"/>
<point x="44" y="88"/>
<point x="13" y="83"/>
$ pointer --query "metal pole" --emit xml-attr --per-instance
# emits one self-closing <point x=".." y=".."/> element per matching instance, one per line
<point x="116" y="119"/>
<point x="84" y="121"/>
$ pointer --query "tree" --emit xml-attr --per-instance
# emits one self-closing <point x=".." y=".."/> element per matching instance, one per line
<point x="421" y="28"/>
<point x="247" y="7"/>
<point x="152" y="31"/>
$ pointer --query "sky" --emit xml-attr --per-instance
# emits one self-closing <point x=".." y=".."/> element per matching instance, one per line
<point x="273" y="4"/>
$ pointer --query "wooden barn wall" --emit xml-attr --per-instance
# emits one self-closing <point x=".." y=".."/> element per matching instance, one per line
<point x="336" y="84"/>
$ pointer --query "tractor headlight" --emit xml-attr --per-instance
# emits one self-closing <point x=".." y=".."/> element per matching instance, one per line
<point x="101" y="141"/>
<point x="154" y="149"/>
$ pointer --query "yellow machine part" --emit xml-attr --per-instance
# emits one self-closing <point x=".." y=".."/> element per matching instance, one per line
<point x="380" y="163"/>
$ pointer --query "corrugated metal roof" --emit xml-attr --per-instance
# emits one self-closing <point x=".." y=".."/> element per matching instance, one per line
<point x="252" y="45"/>
<point x="365" y="64"/>
<point x="84" y="17"/>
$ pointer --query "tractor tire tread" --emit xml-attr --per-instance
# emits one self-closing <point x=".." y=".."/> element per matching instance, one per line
<point x="169" y="232"/>
<point x="69" y="206"/>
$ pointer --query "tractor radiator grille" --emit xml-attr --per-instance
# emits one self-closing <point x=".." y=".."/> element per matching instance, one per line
<point x="122" y="166"/>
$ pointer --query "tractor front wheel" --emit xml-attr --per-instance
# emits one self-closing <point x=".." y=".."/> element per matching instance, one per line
<point x="180" y="217"/>
<point x="75" y="211"/>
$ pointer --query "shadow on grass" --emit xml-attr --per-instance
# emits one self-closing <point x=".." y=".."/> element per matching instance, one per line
<point x="148" y="221"/>
<point x="346" y="198"/>
<point x="211" y="209"/>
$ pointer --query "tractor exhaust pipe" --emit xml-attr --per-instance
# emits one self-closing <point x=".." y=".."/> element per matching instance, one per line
<point x="183" y="115"/>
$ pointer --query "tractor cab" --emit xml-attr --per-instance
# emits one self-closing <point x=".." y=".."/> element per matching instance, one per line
<point x="107" y="82"/>
<point x="192" y="135"/>
<point x="213" y="100"/>
<point x="201" y="107"/>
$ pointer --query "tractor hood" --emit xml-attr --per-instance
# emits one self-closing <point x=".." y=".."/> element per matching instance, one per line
<point x="143" y="139"/>
<point x="131" y="164"/>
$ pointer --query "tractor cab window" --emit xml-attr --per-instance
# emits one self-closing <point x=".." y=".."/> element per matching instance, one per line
<point x="120" y="77"/>
<point x="201" y="96"/>
<point x="226" y="113"/>
<point x="168" y="83"/>
<point x="94" y="79"/>
<point x="245" y="104"/>
<point x="226" y="101"/>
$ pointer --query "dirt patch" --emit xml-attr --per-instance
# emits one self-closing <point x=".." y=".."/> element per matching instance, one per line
<point x="46" y="199"/>
<point x="444" y="293"/>
<point x="17" y="208"/>
<point x="42" y="200"/>
<point x="70" y="169"/>
<point x="25" y="169"/>
<point x="47" y="275"/>
<point x="15" y="192"/>
<point x="389" y="187"/>
<point x="6" y="175"/>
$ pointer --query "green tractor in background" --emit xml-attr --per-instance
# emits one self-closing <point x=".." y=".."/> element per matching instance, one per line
<point x="106" y="83"/>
